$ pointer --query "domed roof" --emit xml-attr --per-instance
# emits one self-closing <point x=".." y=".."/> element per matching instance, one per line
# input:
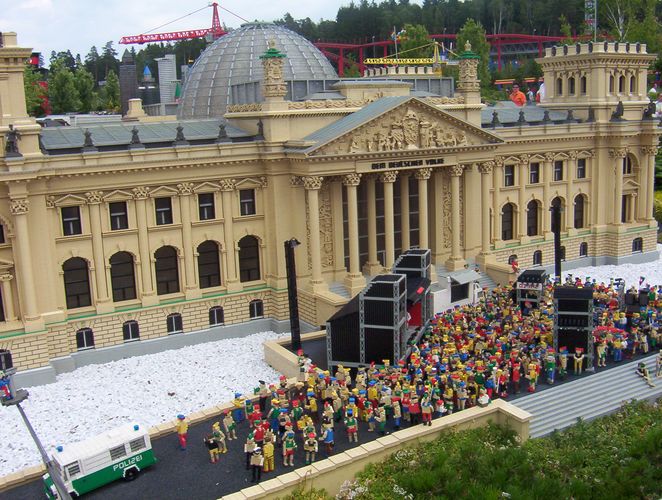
<point x="235" y="58"/>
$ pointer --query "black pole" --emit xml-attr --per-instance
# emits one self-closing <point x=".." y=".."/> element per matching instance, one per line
<point x="556" y="229"/>
<point x="292" y="295"/>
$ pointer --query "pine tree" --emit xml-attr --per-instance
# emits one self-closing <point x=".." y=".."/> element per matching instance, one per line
<point x="111" y="92"/>
<point x="474" y="33"/>
<point x="84" y="82"/>
<point x="62" y="92"/>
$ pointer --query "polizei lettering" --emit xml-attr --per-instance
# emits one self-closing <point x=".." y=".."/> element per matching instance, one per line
<point x="129" y="461"/>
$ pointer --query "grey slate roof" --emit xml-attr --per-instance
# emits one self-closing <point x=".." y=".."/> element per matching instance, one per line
<point x="118" y="135"/>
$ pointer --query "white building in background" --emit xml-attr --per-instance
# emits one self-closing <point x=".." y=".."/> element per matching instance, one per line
<point x="167" y="78"/>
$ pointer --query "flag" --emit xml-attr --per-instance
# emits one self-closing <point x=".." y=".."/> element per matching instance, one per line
<point x="641" y="279"/>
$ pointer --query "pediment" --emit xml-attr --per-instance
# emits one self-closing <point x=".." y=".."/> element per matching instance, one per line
<point x="411" y="126"/>
<point x="630" y="184"/>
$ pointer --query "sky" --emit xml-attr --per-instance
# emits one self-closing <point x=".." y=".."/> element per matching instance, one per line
<point x="76" y="25"/>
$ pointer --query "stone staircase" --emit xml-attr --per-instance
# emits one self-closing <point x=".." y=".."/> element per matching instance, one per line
<point x="339" y="289"/>
<point x="589" y="397"/>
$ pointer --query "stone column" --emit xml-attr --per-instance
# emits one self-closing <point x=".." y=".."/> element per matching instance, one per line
<point x="141" y="194"/>
<point x="404" y="212"/>
<point x="617" y="156"/>
<point x="485" y="169"/>
<point x="372" y="267"/>
<point x="313" y="184"/>
<point x="8" y="297"/>
<point x="227" y="194"/>
<point x="648" y="169"/>
<point x="25" y="275"/>
<point x="94" y="199"/>
<point x="388" y="179"/>
<point x="521" y="199"/>
<point x="185" y="191"/>
<point x="547" y="166"/>
<point x="438" y="225"/>
<point x="455" y="261"/>
<point x="354" y="280"/>
<point x="632" y="201"/>
<point x="423" y="175"/>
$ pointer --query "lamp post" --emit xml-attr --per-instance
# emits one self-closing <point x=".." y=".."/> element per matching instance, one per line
<point x="292" y="296"/>
<point x="556" y="229"/>
<point x="15" y="398"/>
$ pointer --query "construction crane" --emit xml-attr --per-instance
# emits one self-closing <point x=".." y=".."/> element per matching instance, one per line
<point x="214" y="32"/>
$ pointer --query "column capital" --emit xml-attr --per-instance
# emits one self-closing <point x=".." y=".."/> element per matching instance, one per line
<point x="185" y="188"/>
<point x="618" y="152"/>
<point x="227" y="184"/>
<point x="456" y="170"/>
<point x="498" y="161"/>
<point x="524" y="158"/>
<point x="550" y="156"/>
<point x="19" y="206"/>
<point x="388" y="177"/>
<point x="312" y="182"/>
<point x="351" y="179"/>
<point x="94" y="197"/>
<point x="141" y="192"/>
<point x="6" y="277"/>
<point x="423" y="174"/>
<point x="573" y="155"/>
<point x="649" y="150"/>
<point x="486" y="167"/>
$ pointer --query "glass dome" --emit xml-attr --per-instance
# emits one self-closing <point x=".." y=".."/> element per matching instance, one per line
<point x="235" y="58"/>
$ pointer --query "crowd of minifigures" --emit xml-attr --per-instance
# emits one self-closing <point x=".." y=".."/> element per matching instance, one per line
<point x="468" y="356"/>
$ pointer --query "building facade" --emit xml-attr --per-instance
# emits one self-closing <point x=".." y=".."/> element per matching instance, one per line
<point x="160" y="229"/>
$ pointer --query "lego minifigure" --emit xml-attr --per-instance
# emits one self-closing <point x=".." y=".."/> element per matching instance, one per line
<point x="550" y="366"/>
<point x="257" y="462"/>
<point x="310" y="447"/>
<point x="532" y="376"/>
<point x="563" y="362"/>
<point x="397" y="414"/>
<point x="182" y="430"/>
<point x="327" y="437"/>
<point x="212" y="446"/>
<point x="642" y="371"/>
<point x="601" y="353"/>
<point x="426" y="409"/>
<point x="578" y="358"/>
<point x="238" y="411"/>
<point x="230" y="425"/>
<point x="249" y="447"/>
<point x="380" y="420"/>
<point x="219" y="437"/>
<point x="658" y="364"/>
<point x="352" y="427"/>
<point x="263" y="394"/>
<point x="289" y="447"/>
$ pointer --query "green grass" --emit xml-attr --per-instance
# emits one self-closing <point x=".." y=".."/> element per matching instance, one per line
<point x="618" y="456"/>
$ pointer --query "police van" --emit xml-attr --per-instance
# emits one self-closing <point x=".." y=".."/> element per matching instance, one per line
<point x="119" y="453"/>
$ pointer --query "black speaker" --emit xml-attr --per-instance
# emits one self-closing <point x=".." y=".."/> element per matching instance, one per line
<point x="572" y="339"/>
<point x="5" y="360"/>
<point x="630" y="299"/>
<point x="643" y="298"/>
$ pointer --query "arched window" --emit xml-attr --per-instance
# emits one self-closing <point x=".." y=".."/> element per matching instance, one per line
<point x="130" y="331"/>
<point x="627" y="165"/>
<point x="209" y="271"/>
<point x="583" y="249"/>
<point x="167" y="272"/>
<point x="512" y="258"/>
<point x="256" y="309"/>
<point x="579" y="211"/>
<point x="532" y="218"/>
<point x="249" y="259"/>
<point x="621" y="84"/>
<point x="537" y="258"/>
<point x="611" y="84"/>
<point x="571" y="85"/>
<point x="76" y="283"/>
<point x="557" y="203"/>
<point x="84" y="339"/>
<point x="216" y="316"/>
<point x="559" y="86"/>
<point x="583" y="85"/>
<point x="174" y="323"/>
<point x="562" y="253"/>
<point x="633" y="84"/>
<point x="122" y="276"/>
<point x="637" y="245"/>
<point x="507" y="221"/>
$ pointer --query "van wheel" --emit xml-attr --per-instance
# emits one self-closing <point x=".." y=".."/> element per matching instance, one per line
<point x="131" y="474"/>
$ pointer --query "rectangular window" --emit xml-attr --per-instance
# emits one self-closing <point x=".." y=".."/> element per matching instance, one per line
<point x="73" y="469"/>
<point x="247" y="201"/>
<point x="534" y="173"/>
<point x="119" y="218"/>
<point x="558" y="170"/>
<point x="2" y="234"/>
<point x="581" y="168"/>
<point x="206" y="206"/>
<point x="137" y="444"/>
<point x="627" y="166"/>
<point x="117" y="452"/>
<point x="71" y="221"/>
<point x="130" y="331"/>
<point x="509" y="175"/>
<point x="163" y="211"/>
<point x="256" y="309"/>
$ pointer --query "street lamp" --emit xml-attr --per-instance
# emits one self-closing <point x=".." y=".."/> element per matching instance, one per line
<point x="292" y="296"/>
<point x="556" y="210"/>
<point x="13" y="397"/>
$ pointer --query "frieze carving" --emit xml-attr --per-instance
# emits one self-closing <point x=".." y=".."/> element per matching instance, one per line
<point x="486" y="167"/>
<point x="141" y="192"/>
<point x="326" y="226"/>
<point x="227" y="184"/>
<point x="94" y="197"/>
<point x="185" y="188"/>
<point x="351" y="179"/>
<point x="312" y="182"/>
<point x="444" y="100"/>
<point x="19" y="206"/>
<point x="388" y="177"/>
<point x="245" y="108"/>
<point x="446" y="209"/>
<point x="423" y="174"/>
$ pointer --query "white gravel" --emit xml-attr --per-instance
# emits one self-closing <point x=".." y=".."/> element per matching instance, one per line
<point x="150" y="389"/>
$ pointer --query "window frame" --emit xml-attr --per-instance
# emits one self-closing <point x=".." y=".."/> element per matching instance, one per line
<point x="209" y="272"/>
<point x="175" y="321"/>
<point x="509" y="231"/>
<point x="583" y="249"/>
<point x="537" y="261"/>
<point x="638" y="245"/>
<point x="82" y="298"/>
<point x="247" y="206"/>
<point x="213" y="316"/>
<point x="163" y="215"/>
<point x="71" y="226"/>
<point x="84" y="339"/>
<point x="532" y="222"/>
<point x="122" y="217"/>
<point x="114" y="278"/>
<point x="508" y="175"/>
<point x="206" y="209"/>
<point x="252" y="273"/>
<point x="557" y="173"/>
<point x="256" y="309"/>
<point x="581" y="168"/>
<point x="128" y="333"/>
<point x="577" y="216"/>
<point x="534" y="172"/>
<point x="3" y="239"/>
<point x="167" y="286"/>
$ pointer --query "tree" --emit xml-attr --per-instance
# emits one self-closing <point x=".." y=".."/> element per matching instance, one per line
<point x="474" y="33"/>
<point x="566" y="30"/>
<point x="34" y="92"/>
<point x="111" y="92"/>
<point x="92" y="63"/>
<point x="416" y="42"/>
<point x="108" y="59"/>
<point x="62" y="92"/>
<point x="84" y="82"/>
